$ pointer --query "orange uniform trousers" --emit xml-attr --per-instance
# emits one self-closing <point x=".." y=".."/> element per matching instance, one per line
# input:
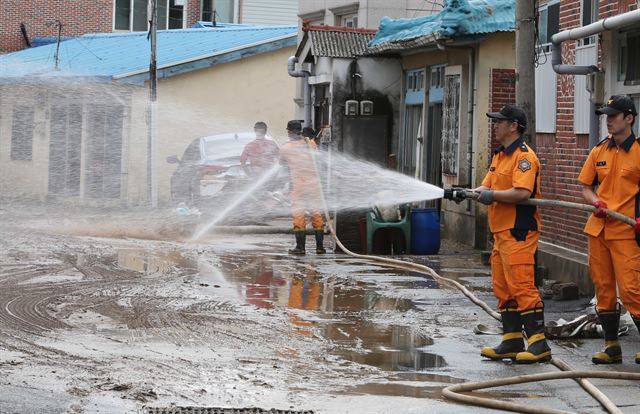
<point x="614" y="262"/>
<point x="513" y="270"/>
<point x="305" y="193"/>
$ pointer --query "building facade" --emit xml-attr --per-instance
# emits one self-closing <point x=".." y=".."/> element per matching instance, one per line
<point x="26" y="23"/>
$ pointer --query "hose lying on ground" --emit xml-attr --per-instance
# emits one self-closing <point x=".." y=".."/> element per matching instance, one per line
<point x="454" y="392"/>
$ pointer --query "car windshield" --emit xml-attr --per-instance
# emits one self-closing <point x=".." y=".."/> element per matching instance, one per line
<point x="227" y="150"/>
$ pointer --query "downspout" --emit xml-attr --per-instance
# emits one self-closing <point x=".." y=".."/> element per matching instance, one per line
<point x="291" y="68"/>
<point x="610" y="23"/>
<point x="470" y="113"/>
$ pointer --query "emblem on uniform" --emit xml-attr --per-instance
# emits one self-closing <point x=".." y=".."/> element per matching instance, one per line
<point x="601" y="163"/>
<point x="492" y="169"/>
<point x="524" y="165"/>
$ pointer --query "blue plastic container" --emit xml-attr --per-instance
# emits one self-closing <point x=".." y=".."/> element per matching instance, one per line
<point x="425" y="231"/>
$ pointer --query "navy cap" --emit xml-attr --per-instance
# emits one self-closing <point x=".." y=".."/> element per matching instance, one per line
<point x="294" y="126"/>
<point x="618" y="104"/>
<point x="511" y="112"/>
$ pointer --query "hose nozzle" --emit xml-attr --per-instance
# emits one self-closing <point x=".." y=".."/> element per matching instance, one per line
<point x="455" y="194"/>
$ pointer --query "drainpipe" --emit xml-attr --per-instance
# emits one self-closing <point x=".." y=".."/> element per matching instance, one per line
<point x="610" y="23"/>
<point x="291" y="68"/>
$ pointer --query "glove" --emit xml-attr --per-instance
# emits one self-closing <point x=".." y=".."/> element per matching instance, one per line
<point x="599" y="205"/>
<point x="485" y="197"/>
<point x="637" y="225"/>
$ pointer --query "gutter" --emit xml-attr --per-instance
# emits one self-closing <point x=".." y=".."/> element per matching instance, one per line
<point x="609" y="23"/>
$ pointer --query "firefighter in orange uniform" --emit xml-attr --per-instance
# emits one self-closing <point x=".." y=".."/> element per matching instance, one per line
<point x="305" y="188"/>
<point x="614" y="255"/>
<point x="514" y="176"/>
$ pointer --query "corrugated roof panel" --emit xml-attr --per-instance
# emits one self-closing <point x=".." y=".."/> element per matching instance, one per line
<point x="457" y="18"/>
<point x="113" y="54"/>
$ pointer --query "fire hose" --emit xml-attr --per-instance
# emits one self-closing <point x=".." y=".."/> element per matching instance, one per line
<point x="454" y="392"/>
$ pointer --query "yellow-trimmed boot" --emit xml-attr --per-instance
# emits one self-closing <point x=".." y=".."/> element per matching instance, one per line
<point x="512" y="341"/>
<point x="537" y="350"/>
<point x="612" y="353"/>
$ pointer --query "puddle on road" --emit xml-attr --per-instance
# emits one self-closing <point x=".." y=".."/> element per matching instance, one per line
<point x="337" y="310"/>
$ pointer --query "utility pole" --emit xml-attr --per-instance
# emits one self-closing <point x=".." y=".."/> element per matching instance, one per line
<point x="525" y="66"/>
<point x="153" y="95"/>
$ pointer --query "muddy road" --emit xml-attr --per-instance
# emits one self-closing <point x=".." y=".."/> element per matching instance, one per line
<point x="92" y="323"/>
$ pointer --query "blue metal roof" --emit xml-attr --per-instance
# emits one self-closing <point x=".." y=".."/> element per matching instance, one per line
<point x="113" y="56"/>
<point x="457" y="18"/>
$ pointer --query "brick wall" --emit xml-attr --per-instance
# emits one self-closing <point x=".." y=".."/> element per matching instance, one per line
<point x="192" y="13"/>
<point x="39" y="16"/>
<point x="78" y="17"/>
<point x="502" y="91"/>
<point x="562" y="154"/>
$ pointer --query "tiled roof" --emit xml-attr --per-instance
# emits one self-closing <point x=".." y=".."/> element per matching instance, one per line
<point x="457" y="18"/>
<point x="341" y="42"/>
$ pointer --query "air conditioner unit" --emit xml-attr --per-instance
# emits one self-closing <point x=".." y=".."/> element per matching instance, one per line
<point x="366" y="108"/>
<point x="351" y="107"/>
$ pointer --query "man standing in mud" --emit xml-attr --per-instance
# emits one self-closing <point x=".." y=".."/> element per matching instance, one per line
<point x="614" y="255"/>
<point x="305" y="188"/>
<point x="261" y="153"/>
<point x="514" y="176"/>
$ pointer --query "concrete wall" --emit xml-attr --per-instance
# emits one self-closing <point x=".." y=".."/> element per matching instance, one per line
<point x="369" y="11"/>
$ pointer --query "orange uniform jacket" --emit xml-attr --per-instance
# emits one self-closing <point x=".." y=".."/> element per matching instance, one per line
<point x="617" y="172"/>
<point x="516" y="166"/>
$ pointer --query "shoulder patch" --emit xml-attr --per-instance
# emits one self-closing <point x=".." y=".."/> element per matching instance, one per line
<point x="524" y="165"/>
<point x="524" y="148"/>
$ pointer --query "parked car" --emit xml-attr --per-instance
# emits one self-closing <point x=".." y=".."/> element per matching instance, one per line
<point x="210" y="168"/>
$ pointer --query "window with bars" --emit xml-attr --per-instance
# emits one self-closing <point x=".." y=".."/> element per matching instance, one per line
<point x="22" y="133"/>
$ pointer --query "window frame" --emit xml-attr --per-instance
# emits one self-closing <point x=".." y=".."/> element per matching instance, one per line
<point x="546" y="45"/>
<point x="595" y="8"/>
<point x="346" y="18"/>
<point x="131" y="13"/>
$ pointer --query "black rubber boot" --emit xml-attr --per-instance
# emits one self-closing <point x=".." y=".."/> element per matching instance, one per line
<point x="320" y="242"/>
<point x="537" y="350"/>
<point x="301" y="237"/>
<point x="612" y="353"/>
<point x="512" y="342"/>
<point x="637" y="322"/>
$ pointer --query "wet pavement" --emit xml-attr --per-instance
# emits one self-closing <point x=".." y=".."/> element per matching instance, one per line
<point x="109" y="323"/>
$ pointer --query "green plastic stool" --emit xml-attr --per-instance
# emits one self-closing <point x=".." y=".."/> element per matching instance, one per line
<point x="374" y="223"/>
